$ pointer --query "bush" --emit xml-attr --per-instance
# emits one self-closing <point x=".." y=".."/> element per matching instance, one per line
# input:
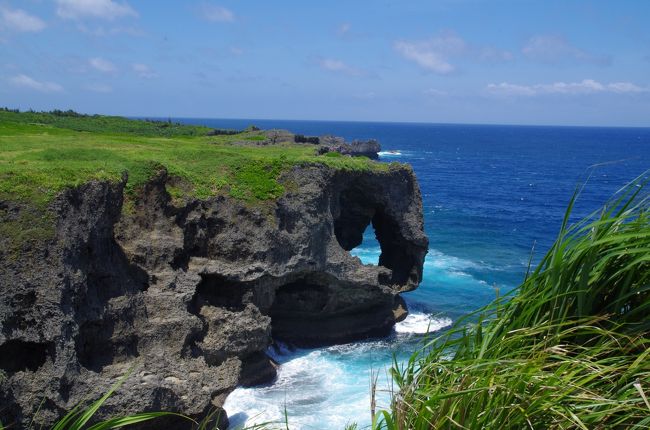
<point x="333" y="154"/>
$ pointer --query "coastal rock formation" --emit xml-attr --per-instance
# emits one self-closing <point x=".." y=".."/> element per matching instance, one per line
<point x="367" y="148"/>
<point x="186" y="298"/>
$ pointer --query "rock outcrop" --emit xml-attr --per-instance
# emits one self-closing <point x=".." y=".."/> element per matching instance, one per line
<point x="366" y="148"/>
<point x="188" y="297"/>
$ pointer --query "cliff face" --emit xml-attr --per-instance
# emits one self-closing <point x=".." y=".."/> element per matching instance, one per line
<point x="190" y="296"/>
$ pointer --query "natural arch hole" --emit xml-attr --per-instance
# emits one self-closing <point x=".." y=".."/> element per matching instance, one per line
<point x="356" y="212"/>
<point x="369" y="250"/>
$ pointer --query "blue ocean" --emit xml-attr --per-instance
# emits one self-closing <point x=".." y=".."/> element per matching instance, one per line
<point x="492" y="196"/>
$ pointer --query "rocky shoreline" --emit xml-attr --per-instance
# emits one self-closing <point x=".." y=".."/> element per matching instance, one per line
<point x="357" y="148"/>
<point x="190" y="295"/>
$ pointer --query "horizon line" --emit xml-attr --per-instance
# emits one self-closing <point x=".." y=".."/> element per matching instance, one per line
<point x="389" y="122"/>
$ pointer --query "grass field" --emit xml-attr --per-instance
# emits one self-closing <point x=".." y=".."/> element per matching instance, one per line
<point x="39" y="159"/>
<point x="102" y="124"/>
<point x="42" y="154"/>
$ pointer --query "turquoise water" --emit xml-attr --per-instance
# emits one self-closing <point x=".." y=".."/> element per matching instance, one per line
<point x="490" y="194"/>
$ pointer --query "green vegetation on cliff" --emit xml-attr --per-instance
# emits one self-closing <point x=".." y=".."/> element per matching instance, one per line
<point x="568" y="349"/>
<point x="72" y="120"/>
<point x="43" y="153"/>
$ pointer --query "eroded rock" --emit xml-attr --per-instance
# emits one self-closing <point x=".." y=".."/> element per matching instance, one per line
<point x="188" y="298"/>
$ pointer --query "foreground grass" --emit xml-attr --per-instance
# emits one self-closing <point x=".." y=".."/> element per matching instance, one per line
<point x="569" y="349"/>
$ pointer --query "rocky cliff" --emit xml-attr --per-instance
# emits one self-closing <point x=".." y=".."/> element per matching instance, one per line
<point x="190" y="295"/>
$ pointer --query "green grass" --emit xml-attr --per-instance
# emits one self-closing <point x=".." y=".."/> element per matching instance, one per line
<point x="41" y="154"/>
<point x="569" y="349"/>
<point x="37" y="161"/>
<point x="102" y="124"/>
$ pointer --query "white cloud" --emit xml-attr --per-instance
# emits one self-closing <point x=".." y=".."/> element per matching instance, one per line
<point x="338" y="66"/>
<point x="104" y="9"/>
<point x="506" y="89"/>
<point x="216" y="13"/>
<point x="586" y="86"/>
<point x="102" y="65"/>
<point x="435" y="54"/>
<point x="25" y="81"/>
<point x="625" y="87"/>
<point x="19" y="20"/>
<point x="425" y="57"/>
<point x="144" y="71"/>
<point x="99" y="88"/>
<point x="554" y="49"/>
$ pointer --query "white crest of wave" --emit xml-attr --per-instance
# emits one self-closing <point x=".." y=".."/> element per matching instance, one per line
<point x="312" y="386"/>
<point x="439" y="260"/>
<point x="389" y="153"/>
<point x="418" y="323"/>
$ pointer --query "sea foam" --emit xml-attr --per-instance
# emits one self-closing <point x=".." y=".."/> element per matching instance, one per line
<point x="389" y="154"/>
<point x="419" y="323"/>
<point x="312" y="385"/>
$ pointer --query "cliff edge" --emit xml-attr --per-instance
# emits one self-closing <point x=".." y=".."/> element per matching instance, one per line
<point x="189" y="295"/>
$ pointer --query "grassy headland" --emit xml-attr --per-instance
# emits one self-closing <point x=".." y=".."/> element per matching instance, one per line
<point x="43" y="153"/>
<point x="568" y="349"/>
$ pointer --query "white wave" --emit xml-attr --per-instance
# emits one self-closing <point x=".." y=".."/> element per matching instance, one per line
<point x="435" y="259"/>
<point x="439" y="260"/>
<point x="355" y="350"/>
<point x="313" y="387"/>
<point x="389" y="154"/>
<point x="418" y="323"/>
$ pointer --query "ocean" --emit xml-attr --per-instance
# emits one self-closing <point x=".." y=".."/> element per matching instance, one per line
<point x="493" y="195"/>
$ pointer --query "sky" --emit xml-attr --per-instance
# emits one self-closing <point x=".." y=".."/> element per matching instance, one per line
<point x="556" y="62"/>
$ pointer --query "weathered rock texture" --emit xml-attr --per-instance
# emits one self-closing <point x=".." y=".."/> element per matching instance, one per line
<point x="366" y="148"/>
<point x="190" y="296"/>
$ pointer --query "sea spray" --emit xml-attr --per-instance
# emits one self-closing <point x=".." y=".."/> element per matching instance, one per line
<point x="418" y="323"/>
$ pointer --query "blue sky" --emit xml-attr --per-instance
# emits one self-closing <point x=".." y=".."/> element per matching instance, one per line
<point x="460" y="61"/>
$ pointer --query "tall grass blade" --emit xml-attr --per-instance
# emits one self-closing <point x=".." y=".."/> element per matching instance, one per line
<point x="568" y="349"/>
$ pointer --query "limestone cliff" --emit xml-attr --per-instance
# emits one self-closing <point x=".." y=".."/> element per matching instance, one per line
<point x="191" y="295"/>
